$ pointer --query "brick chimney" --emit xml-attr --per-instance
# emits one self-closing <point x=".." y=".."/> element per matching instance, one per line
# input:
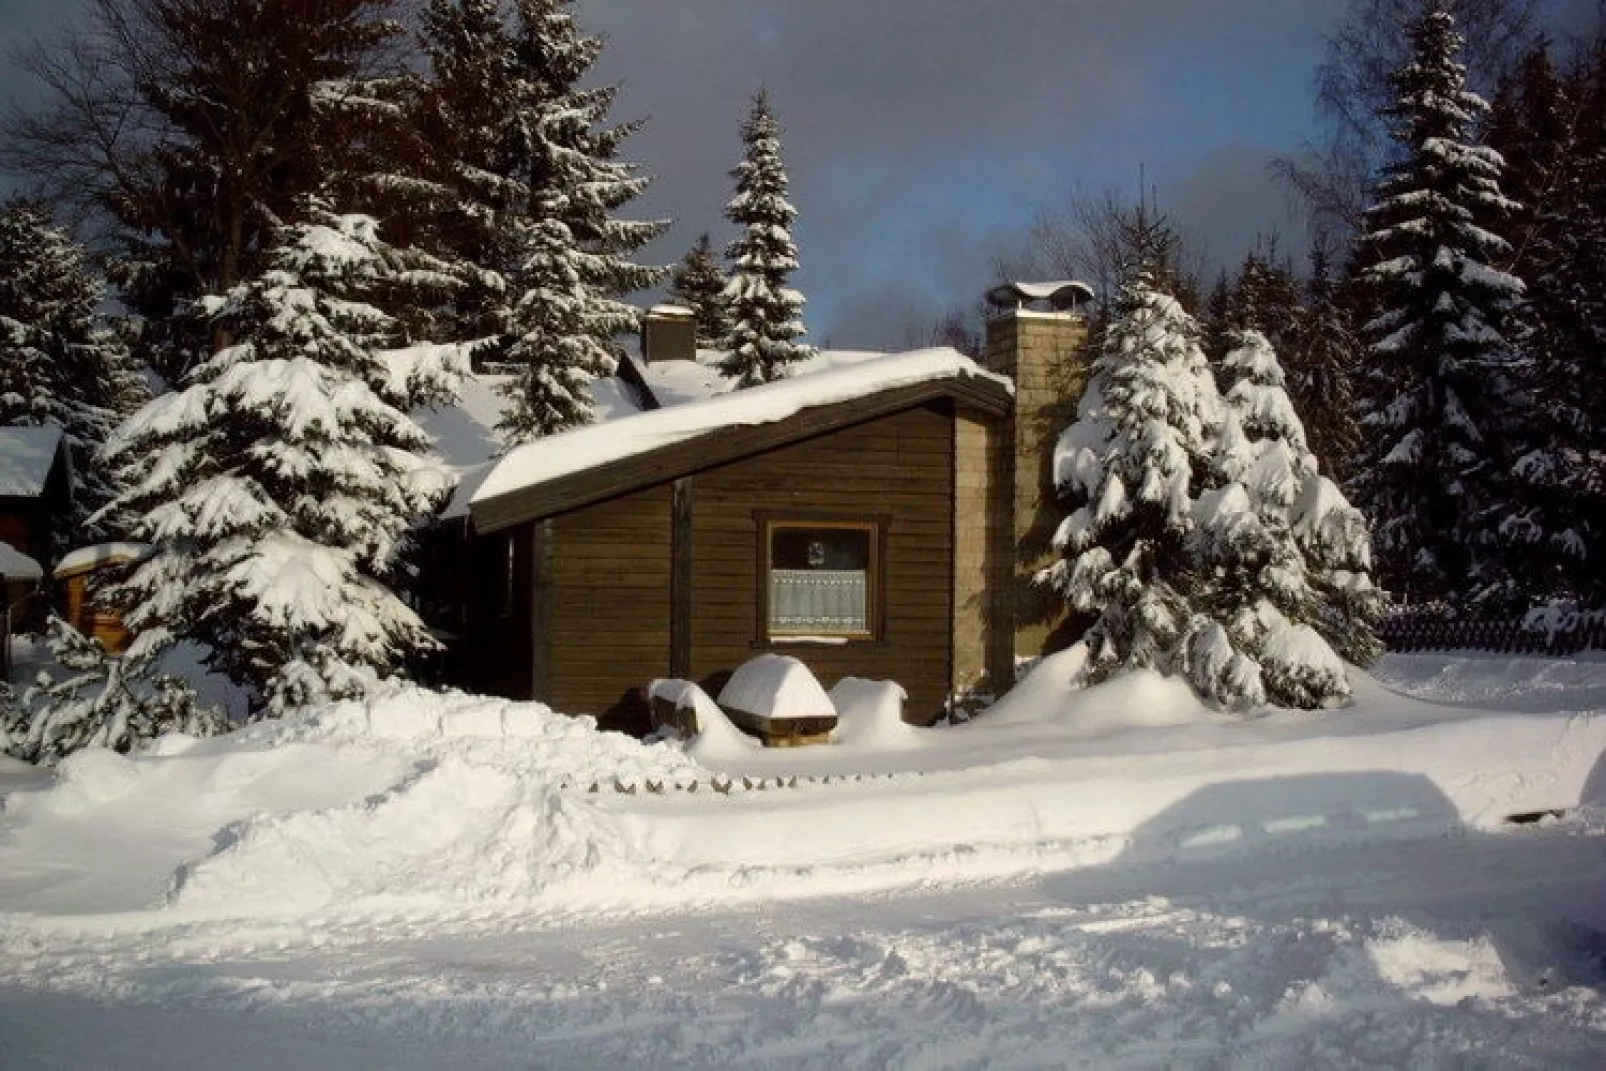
<point x="668" y="333"/>
<point x="1035" y="336"/>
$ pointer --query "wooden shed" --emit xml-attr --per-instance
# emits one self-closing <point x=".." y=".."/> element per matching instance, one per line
<point x="853" y="518"/>
<point x="77" y="573"/>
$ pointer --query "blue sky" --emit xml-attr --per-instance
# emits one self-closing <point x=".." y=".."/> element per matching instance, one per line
<point x="922" y="135"/>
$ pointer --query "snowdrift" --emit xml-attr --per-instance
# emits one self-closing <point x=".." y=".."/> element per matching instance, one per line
<point x="434" y="803"/>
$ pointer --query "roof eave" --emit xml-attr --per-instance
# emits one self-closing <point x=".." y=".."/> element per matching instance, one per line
<point x="721" y="446"/>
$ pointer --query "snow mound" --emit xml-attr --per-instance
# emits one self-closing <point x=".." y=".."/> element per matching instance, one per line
<point x="529" y="739"/>
<point x="452" y="833"/>
<point x="89" y="778"/>
<point x="1055" y="693"/>
<point x="1047" y="687"/>
<point x="716" y="737"/>
<point x="776" y="686"/>
<point x="870" y="715"/>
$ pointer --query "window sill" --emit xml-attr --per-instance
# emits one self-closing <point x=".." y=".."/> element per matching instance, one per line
<point x="766" y="642"/>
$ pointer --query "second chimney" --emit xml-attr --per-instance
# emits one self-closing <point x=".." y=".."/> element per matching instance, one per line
<point x="668" y="333"/>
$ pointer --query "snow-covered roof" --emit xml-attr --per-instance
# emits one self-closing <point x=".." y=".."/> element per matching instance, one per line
<point x="15" y="565"/>
<point x="85" y="558"/>
<point x="581" y="449"/>
<point x="26" y="455"/>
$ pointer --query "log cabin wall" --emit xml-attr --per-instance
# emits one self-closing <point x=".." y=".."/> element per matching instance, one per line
<point x="897" y="470"/>
<point x="603" y="631"/>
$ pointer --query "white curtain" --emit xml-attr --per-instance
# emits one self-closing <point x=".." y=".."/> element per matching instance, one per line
<point x="823" y="600"/>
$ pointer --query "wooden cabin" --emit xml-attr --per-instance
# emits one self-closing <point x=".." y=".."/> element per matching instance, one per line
<point x="865" y="517"/>
<point x="35" y="491"/>
<point x="35" y="511"/>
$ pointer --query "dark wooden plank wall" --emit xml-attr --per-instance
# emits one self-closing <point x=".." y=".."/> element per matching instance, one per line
<point x="899" y="467"/>
<point x="607" y="574"/>
<point x="607" y="591"/>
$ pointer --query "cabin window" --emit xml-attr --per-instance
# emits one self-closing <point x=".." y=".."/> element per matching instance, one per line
<point x="822" y="578"/>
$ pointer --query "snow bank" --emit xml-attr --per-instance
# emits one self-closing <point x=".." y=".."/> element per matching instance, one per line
<point x="529" y="739"/>
<point x="411" y="797"/>
<point x="1054" y="693"/>
<point x="442" y="803"/>
<point x="453" y="833"/>
<point x="870" y="716"/>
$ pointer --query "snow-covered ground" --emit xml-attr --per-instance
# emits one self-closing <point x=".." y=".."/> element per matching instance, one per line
<point x="1112" y="877"/>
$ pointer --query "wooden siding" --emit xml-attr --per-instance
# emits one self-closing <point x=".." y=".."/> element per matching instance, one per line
<point x="664" y="580"/>
<point x="898" y="467"/>
<point x="606" y="585"/>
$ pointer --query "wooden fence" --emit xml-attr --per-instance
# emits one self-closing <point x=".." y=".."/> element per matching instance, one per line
<point x="1569" y="633"/>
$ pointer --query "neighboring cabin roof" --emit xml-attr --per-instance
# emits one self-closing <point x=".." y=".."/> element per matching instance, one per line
<point x="26" y="458"/>
<point x="574" y="468"/>
<point x="15" y="565"/>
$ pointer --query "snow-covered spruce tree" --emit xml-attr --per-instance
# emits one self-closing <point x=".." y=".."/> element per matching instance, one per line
<point x="279" y="486"/>
<point x="1438" y="361"/>
<point x="101" y="701"/>
<point x="1262" y="297"/>
<point x="570" y="253"/>
<point x="766" y="314"/>
<point x="471" y="158"/>
<point x="192" y="129"/>
<point x="698" y="284"/>
<point x="1322" y="359"/>
<point x="1284" y="559"/>
<point x="1139" y="451"/>
<point x="1556" y="128"/>
<point x="58" y="366"/>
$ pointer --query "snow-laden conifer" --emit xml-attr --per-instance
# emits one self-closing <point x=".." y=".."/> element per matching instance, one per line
<point x="1284" y="559"/>
<point x="58" y="366"/>
<point x="1132" y="463"/>
<point x="1438" y="359"/>
<point x="1555" y="519"/>
<point x="766" y="313"/>
<point x="278" y="488"/>
<point x="569" y="263"/>
<point x="698" y="283"/>
<point x="472" y="157"/>
<point x="1323" y="360"/>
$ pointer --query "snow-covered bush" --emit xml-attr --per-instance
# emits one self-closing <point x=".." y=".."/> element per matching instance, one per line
<point x="99" y="700"/>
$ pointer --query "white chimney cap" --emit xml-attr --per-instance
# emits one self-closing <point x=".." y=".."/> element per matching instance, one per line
<point x="1062" y="295"/>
